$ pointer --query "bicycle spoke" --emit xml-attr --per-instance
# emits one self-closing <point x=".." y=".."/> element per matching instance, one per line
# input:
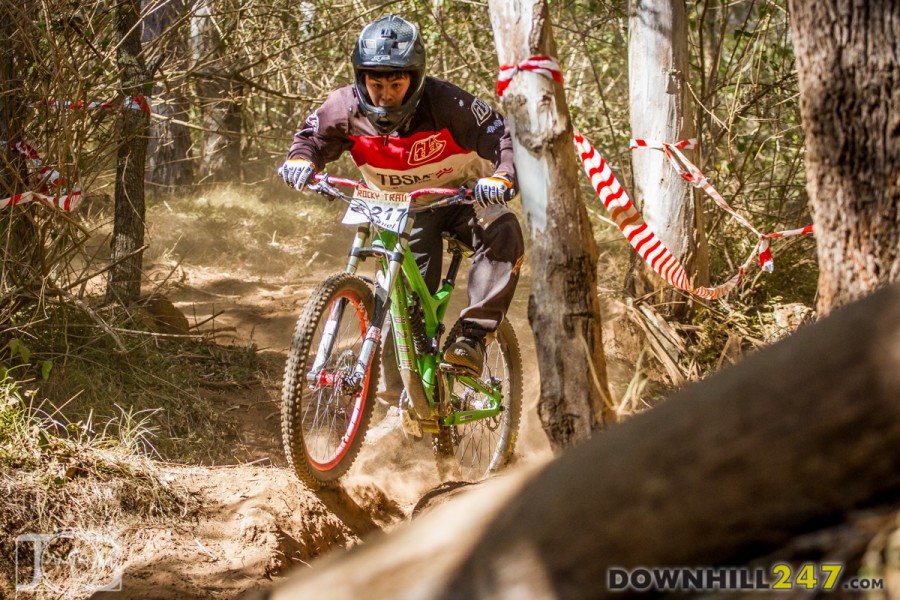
<point x="482" y="446"/>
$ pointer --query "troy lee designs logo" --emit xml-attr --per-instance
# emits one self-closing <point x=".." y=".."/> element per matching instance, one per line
<point x="424" y="150"/>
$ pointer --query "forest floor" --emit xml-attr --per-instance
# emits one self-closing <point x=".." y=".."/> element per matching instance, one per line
<point x="257" y="520"/>
<point x="240" y="268"/>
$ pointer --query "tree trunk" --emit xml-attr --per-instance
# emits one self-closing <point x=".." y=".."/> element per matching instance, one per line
<point x="849" y="75"/>
<point x="169" y="148"/>
<point x="128" y="224"/>
<point x="20" y="249"/>
<point x="726" y="471"/>
<point x="563" y="308"/>
<point x="12" y="172"/>
<point x="222" y="122"/>
<point x="661" y="109"/>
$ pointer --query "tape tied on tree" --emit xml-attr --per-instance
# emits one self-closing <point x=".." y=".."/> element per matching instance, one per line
<point x="141" y="103"/>
<point x="542" y="65"/>
<point x="626" y="216"/>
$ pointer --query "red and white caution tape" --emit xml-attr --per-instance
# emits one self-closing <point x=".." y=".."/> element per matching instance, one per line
<point x="626" y="216"/>
<point x="542" y="65"/>
<point x="67" y="202"/>
<point x="637" y="232"/>
<point x="48" y="179"/>
<point x="690" y="173"/>
<point x="141" y="103"/>
<point x="790" y="232"/>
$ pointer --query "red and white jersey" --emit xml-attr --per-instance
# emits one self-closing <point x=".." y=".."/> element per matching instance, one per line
<point x="452" y="139"/>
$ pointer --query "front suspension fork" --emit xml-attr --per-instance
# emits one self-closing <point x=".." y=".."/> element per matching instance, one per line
<point x="326" y="344"/>
<point x="373" y="334"/>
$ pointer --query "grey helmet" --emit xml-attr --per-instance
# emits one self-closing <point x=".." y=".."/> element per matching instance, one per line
<point x="389" y="44"/>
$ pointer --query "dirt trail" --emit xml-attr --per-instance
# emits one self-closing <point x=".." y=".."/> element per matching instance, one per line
<point x="243" y="268"/>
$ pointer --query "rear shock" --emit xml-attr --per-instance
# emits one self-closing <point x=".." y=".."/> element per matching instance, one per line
<point x="417" y="325"/>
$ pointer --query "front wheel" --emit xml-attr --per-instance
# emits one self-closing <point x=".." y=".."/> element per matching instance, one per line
<point x="481" y="448"/>
<point x="325" y="410"/>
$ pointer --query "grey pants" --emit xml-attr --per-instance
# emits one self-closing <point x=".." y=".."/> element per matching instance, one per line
<point x="494" y="273"/>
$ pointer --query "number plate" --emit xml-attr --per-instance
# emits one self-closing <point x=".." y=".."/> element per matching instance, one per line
<point x="387" y="210"/>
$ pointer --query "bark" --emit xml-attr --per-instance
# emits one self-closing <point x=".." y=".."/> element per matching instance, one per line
<point x="563" y="308"/>
<point x="127" y="240"/>
<point x="721" y="473"/>
<point x="11" y="115"/>
<point x="169" y="148"/>
<point x="222" y="122"/>
<point x="848" y="64"/>
<point x="19" y="239"/>
<point x="662" y="109"/>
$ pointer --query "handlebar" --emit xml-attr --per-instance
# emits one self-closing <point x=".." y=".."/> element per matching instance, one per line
<point x="325" y="185"/>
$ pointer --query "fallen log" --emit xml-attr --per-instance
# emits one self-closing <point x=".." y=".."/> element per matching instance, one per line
<point x="790" y="440"/>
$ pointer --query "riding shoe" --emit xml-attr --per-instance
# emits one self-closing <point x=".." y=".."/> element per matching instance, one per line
<point x="467" y="352"/>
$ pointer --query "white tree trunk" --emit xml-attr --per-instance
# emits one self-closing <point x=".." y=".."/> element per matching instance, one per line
<point x="217" y="94"/>
<point x="563" y="309"/>
<point x="661" y="110"/>
<point x="169" y="163"/>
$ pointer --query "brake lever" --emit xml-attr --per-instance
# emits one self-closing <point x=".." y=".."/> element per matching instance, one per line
<point x="324" y="188"/>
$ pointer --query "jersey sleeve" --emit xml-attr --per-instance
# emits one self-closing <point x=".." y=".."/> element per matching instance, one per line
<point x="324" y="135"/>
<point x="475" y="126"/>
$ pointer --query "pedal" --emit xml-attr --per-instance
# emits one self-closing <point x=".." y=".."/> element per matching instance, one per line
<point x="456" y="369"/>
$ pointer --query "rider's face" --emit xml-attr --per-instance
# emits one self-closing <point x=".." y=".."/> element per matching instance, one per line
<point x="387" y="91"/>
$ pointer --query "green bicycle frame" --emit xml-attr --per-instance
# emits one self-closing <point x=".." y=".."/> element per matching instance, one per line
<point x="417" y="370"/>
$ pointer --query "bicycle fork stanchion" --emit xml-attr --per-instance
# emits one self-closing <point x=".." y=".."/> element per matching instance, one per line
<point x="326" y="344"/>
<point x="362" y="236"/>
<point x="364" y="362"/>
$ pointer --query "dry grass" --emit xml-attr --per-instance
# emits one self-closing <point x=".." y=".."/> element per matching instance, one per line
<point x="57" y="475"/>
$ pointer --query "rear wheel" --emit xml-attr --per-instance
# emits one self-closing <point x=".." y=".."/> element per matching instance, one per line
<point x="325" y="413"/>
<point x="481" y="448"/>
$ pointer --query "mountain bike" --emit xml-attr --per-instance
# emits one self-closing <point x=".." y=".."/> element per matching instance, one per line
<point x="332" y="369"/>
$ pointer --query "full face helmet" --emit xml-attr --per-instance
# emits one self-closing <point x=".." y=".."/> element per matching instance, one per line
<point x="389" y="44"/>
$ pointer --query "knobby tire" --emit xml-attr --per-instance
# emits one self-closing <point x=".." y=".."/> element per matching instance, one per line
<point x="322" y="425"/>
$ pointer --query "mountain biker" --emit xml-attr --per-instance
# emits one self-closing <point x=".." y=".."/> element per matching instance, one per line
<point x="405" y="130"/>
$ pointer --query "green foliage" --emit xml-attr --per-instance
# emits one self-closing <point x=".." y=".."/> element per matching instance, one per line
<point x="18" y="349"/>
<point x="744" y="81"/>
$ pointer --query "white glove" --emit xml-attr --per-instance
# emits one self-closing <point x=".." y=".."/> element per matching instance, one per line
<point x="296" y="172"/>
<point x="496" y="189"/>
